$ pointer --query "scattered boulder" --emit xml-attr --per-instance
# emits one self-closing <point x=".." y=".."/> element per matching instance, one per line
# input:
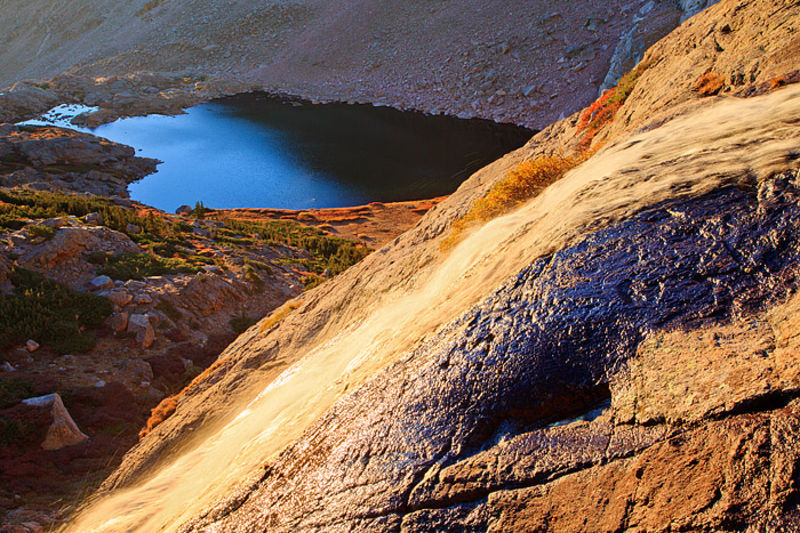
<point x="140" y="326"/>
<point x="120" y="297"/>
<point x="101" y="282"/>
<point x="95" y="219"/>
<point x="133" y="228"/>
<point x="63" y="431"/>
<point x="119" y="322"/>
<point x="31" y="345"/>
<point x="154" y="318"/>
<point x="142" y="299"/>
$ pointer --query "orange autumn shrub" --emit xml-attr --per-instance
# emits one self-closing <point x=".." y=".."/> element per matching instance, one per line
<point x="159" y="413"/>
<point x="521" y="183"/>
<point x="603" y="110"/>
<point x="709" y="84"/>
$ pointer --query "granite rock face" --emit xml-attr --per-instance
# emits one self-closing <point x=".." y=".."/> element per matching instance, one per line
<point x="654" y="20"/>
<point x="474" y="432"/>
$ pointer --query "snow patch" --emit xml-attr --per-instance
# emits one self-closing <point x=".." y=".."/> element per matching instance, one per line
<point x="62" y="116"/>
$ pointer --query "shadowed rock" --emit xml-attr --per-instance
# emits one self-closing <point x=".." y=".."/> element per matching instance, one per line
<point x="63" y="431"/>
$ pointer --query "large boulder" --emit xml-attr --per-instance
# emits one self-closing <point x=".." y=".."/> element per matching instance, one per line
<point x="139" y="325"/>
<point x="63" y="431"/>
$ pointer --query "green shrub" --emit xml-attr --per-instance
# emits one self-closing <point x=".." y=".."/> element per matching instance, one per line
<point x="328" y="252"/>
<point x="261" y="265"/>
<point x="199" y="210"/>
<point x="45" y="232"/>
<point x="309" y="282"/>
<point x="168" y="309"/>
<point x="131" y="265"/>
<point x="14" y="389"/>
<point x="50" y="313"/>
<point x="241" y="323"/>
<point x="13" y="431"/>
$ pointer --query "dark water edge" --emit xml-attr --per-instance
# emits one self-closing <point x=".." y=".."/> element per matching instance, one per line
<point x="258" y="150"/>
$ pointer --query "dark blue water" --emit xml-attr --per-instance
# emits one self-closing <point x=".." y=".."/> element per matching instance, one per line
<point x="257" y="151"/>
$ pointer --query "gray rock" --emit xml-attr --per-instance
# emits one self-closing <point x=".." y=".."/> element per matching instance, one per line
<point x="142" y="299"/>
<point x="133" y="228"/>
<point x="692" y="7"/>
<point x="101" y="282"/>
<point x="120" y="298"/>
<point x="140" y="326"/>
<point x="31" y="345"/>
<point x="63" y="431"/>
<point x="95" y="219"/>
<point x="652" y="22"/>
<point x="154" y="318"/>
<point x="183" y="210"/>
<point x="119" y="322"/>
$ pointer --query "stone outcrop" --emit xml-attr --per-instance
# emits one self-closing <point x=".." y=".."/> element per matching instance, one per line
<point x="472" y="412"/>
<point x="60" y="159"/>
<point x="654" y="20"/>
<point x="21" y="98"/>
<point x="63" y="431"/>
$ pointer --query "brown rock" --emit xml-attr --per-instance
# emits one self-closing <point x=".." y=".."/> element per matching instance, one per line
<point x="63" y="431"/>
<point x="119" y="321"/>
<point x="120" y="297"/>
<point x="140" y="326"/>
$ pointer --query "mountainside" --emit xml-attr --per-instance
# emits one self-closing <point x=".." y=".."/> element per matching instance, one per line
<point x="525" y="62"/>
<point x="618" y="353"/>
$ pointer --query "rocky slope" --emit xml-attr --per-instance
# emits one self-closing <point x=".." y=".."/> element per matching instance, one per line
<point x="113" y="306"/>
<point x="526" y="62"/>
<point x="617" y="354"/>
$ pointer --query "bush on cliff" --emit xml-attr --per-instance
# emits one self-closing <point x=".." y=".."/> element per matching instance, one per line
<point x="520" y="184"/>
<point x="603" y="110"/>
<point x="49" y="312"/>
